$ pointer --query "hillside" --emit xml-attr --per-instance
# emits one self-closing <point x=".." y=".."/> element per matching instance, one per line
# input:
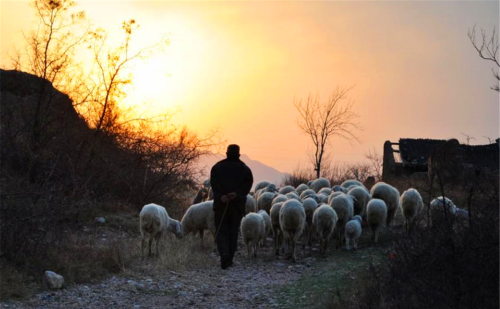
<point x="260" y="170"/>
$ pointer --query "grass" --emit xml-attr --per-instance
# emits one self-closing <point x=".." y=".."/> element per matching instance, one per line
<point x="341" y="272"/>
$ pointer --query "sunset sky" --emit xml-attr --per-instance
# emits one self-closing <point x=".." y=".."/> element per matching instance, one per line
<point x="239" y="65"/>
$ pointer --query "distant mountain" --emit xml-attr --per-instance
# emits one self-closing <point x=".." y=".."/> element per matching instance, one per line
<point x="260" y="171"/>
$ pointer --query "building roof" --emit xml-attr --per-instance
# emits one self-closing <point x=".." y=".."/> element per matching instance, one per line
<point x="417" y="151"/>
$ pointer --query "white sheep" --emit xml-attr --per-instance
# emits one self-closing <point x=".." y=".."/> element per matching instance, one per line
<point x="198" y="218"/>
<point x="261" y="185"/>
<point x="267" y="223"/>
<point x="307" y="193"/>
<point x="292" y="195"/>
<point x="252" y="231"/>
<point x="322" y="198"/>
<point x="344" y="207"/>
<point x="389" y="195"/>
<point x="362" y="196"/>
<point x="250" y="204"/>
<point x="338" y="188"/>
<point x="287" y="189"/>
<point x="275" y="225"/>
<point x="270" y="188"/>
<point x="324" y="221"/>
<point x="319" y="184"/>
<point x="411" y="204"/>
<point x="200" y="196"/>
<point x="292" y="223"/>
<point x="265" y="200"/>
<point x="334" y="195"/>
<point x="301" y="188"/>
<point x="279" y="198"/>
<point x="353" y="232"/>
<point x="310" y="206"/>
<point x="325" y="191"/>
<point x="206" y="183"/>
<point x="154" y="222"/>
<point x="346" y="184"/>
<point x="376" y="214"/>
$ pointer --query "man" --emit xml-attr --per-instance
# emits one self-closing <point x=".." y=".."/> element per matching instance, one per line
<point x="231" y="181"/>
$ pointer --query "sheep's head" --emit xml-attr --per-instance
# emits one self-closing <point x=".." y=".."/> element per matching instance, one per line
<point x="337" y="188"/>
<point x="358" y="217"/>
<point x="178" y="229"/>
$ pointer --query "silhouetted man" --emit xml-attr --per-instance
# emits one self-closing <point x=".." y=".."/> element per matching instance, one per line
<point x="231" y="181"/>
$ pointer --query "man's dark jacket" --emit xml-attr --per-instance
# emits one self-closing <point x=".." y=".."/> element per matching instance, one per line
<point x="231" y="175"/>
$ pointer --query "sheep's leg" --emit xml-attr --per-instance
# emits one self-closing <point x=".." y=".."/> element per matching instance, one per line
<point x="143" y="244"/>
<point x="356" y="245"/>
<point x="376" y="236"/>
<point x="157" y="244"/>
<point x="255" y="249"/>
<point x="294" y="259"/>
<point x="276" y="242"/>
<point x="150" y="242"/>
<point x="347" y="242"/>
<point x="249" y="249"/>
<point x="201" y="237"/>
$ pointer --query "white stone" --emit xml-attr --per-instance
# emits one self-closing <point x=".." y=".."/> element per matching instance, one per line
<point x="100" y="220"/>
<point x="52" y="280"/>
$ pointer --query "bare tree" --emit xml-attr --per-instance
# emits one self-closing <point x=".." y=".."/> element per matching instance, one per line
<point x="488" y="50"/>
<point x="323" y="120"/>
<point x="468" y="138"/>
<point x="376" y="163"/>
<point x="111" y="73"/>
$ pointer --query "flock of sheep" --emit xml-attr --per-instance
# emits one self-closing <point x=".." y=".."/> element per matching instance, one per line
<point x="314" y="211"/>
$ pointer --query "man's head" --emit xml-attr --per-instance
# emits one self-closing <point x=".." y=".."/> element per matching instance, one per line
<point x="233" y="151"/>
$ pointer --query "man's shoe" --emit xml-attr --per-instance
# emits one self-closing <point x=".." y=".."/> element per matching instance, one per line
<point x="224" y="261"/>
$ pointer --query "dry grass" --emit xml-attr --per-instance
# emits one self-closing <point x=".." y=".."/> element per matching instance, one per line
<point x="175" y="255"/>
<point x="14" y="283"/>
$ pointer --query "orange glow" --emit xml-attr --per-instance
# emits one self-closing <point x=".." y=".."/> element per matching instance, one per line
<point x="239" y="65"/>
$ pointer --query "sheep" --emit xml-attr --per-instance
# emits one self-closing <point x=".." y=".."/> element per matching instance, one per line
<point x="267" y="223"/>
<point x="270" y="188"/>
<point x="344" y="207"/>
<point x="449" y="211"/>
<point x="292" y="223"/>
<point x="390" y="196"/>
<point x="334" y="195"/>
<point x="301" y="188"/>
<point x="307" y="193"/>
<point x="200" y="196"/>
<point x="353" y="232"/>
<point x="206" y="183"/>
<point x="338" y="188"/>
<point x="287" y="189"/>
<point x="319" y="184"/>
<point x="198" y="218"/>
<point x="275" y="225"/>
<point x="310" y="206"/>
<point x="325" y="191"/>
<point x="265" y="201"/>
<point x="362" y="197"/>
<point x="324" y="221"/>
<point x="437" y="206"/>
<point x="154" y="222"/>
<point x="292" y="195"/>
<point x="261" y="185"/>
<point x="250" y="205"/>
<point x="279" y="198"/>
<point x="376" y="214"/>
<point x="346" y="184"/>
<point x="252" y="231"/>
<point x="411" y="204"/>
<point x="322" y="198"/>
